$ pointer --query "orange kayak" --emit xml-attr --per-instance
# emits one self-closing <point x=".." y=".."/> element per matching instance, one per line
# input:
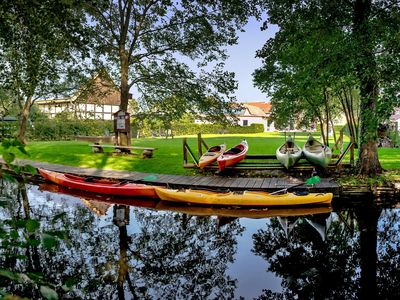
<point x="211" y="155"/>
<point x="100" y="186"/>
<point x="233" y="155"/>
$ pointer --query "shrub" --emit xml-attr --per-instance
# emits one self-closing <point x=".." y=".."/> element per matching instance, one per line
<point x="66" y="129"/>
<point x="187" y="129"/>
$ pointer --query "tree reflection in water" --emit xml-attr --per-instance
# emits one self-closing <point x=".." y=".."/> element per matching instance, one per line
<point x="139" y="253"/>
<point x="168" y="255"/>
<point x="347" y="264"/>
<point x="179" y="256"/>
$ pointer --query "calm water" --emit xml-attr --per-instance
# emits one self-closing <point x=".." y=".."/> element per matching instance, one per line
<point x="92" y="249"/>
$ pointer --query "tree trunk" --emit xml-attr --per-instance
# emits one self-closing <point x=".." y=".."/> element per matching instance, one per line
<point x="124" y="138"/>
<point x="24" y="120"/>
<point x="333" y="131"/>
<point x="366" y="68"/>
<point x="327" y="117"/>
<point x="321" y="126"/>
<point x="367" y="218"/>
<point x="121" y="219"/>
<point x="124" y="88"/>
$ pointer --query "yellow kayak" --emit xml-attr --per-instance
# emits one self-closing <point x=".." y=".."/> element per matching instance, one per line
<point x="246" y="198"/>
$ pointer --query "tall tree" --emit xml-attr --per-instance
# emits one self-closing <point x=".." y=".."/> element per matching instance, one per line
<point x="37" y="41"/>
<point x="145" y="45"/>
<point x="339" y="46"/>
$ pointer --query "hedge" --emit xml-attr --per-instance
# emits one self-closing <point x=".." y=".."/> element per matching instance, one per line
<point x="188" y="129"/>
<point x="62" y="129"/>
<point x="67" y="129"/>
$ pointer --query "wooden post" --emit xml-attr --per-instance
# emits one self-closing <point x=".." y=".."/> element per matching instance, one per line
<point x="352" y="151"/>
<point x="184" y="151"/>
<point x="204" y="144"/>
<point x="341" y="141"/>
<point x="199" y="145"/>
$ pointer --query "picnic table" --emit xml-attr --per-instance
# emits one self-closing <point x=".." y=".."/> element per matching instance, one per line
<point x="146" y="153"/>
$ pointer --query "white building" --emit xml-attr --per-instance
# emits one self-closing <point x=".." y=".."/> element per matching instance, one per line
<point x="256" y="113"/>
<point x="395" y="119"/>
<point x="98" y="99"/>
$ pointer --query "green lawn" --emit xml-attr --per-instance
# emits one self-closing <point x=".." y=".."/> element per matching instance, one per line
<point x="168" y="158"/>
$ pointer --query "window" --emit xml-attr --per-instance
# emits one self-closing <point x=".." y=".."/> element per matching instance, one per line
<point x="245" y="122"/>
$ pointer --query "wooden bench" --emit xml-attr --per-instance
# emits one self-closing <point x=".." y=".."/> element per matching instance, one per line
<point x="147" y="151"/>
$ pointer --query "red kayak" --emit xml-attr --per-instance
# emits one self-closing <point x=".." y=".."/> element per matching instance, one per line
<point x="233" y="155"/>
<point x="100" y="186"/>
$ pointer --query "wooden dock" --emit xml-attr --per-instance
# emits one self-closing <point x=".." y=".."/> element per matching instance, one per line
<point x="213" y="182"/>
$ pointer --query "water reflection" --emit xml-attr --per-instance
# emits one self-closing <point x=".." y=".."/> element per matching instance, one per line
<point x="143" y="249"/>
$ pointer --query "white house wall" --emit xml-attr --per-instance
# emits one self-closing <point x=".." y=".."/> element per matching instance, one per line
<point x="255" y="120"/>
<point x="82" y="110"/>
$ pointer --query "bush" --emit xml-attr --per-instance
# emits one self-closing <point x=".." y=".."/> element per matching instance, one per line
<point x="188" y="129"/>
<point x="65" y="129"/>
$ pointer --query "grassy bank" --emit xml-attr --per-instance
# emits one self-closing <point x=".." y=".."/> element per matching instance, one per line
<point x="168" y="158"/>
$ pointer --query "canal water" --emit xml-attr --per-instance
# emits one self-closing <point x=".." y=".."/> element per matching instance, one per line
<point x="59" y="244"/>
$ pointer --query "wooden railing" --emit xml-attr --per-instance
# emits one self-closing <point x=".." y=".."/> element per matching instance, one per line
<point x="270" y="162"/>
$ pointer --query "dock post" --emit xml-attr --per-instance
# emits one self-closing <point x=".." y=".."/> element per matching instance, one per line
<point x="199" y="145"/>
<point x="185" y="160"/>
<point x="352" y="151"/>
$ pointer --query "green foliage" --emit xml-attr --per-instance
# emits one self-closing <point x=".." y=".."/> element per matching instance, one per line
<point x="153" y="32"/>
<point x="189" y="129"/>
<point x="11" y="147"/>
<point x="323" y="52"/>
<point x="17" y="234"/>
<point x="39" y="44"/>
<point x="8" y="129"/>
<point x="395" y="137"/>
<point x="66" y="129"/>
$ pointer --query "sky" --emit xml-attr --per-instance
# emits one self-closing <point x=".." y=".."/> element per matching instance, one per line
<point x="243" y="62"/>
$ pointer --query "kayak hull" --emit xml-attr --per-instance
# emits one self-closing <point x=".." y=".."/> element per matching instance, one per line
<point x="101" y="186"/>
<point x="247" y="198"/>
<point x="229" y="158"/>
<point x="317" y="153"/>
<point x="288" y="158"/>
<point x="211" y="156"/>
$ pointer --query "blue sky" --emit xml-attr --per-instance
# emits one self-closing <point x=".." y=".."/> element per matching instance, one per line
<point x="242" y="60"/>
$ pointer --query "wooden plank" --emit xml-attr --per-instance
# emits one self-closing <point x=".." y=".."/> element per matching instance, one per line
<point x="242" y="182"/>
<point x="182" y="180"/>
<point x="165" y="179"/>
<point x="122" y="147"/>
<point x="190" y="180"/>
<point x="176" y="179"/>
<point x="258" y="183"/>
<point x="260" y="156"/>
<point x="201" y="181"/>
<point x="266" y="183"/>
<point x="209" y="180"/>
<point x="281" y="184"/>
<point x="233" y="183"/>
<point x="205" y="181"/>
<point x="217" y="182"/>
<point x="162" y="177"/>
<point x="272" y="184"/>
<point x="228" y="182"/>
<point x="250" y="184"/>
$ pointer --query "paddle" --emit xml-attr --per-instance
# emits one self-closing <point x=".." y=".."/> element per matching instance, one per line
<point x="310" y="181"/>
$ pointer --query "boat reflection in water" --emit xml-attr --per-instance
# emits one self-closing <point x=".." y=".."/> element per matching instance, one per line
<point x="100" y="202"/>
